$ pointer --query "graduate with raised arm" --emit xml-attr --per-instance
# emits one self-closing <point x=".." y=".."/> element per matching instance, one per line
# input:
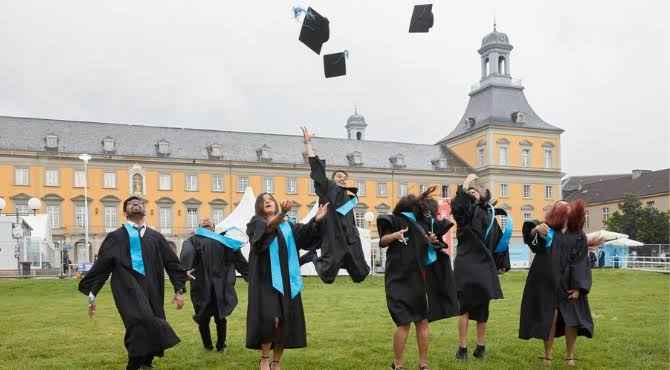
<point x="418" y="279"/>
<point x="555" y="297"/>
<point x="340" y="244"/>
<point x="211" y="259"/>
<point x="475" y="266"/>
<point x="275" y="317"/>
<point x="136" y="256"/>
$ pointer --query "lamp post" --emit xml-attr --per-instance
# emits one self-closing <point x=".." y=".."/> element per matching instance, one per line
<point x="85" y="157"/>
<point x="369" y="217"/>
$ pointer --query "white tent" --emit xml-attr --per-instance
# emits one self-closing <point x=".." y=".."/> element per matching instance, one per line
<point x="41" y="247"/>
<point x="236" y="222"/>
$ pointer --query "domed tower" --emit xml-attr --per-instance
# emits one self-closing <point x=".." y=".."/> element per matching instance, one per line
<point x="356" y="126"/>
<point x="495" y="53"/>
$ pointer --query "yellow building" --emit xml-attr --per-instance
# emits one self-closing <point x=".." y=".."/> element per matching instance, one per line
<point x="185" y="174"/>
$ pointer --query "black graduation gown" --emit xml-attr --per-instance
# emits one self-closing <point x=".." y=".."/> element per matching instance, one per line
<point x="139" y="299"/>
<point x="475" y="269"/>
<point x="414" y="291"/>
<point x="341" y="242"/>
<point x="214" y="270"/>
<point x="265" y="303"/>
<point x="555" y="270"/>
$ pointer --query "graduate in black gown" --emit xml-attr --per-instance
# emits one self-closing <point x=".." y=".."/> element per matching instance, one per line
<point x="211" y="260"/>
<point x="340" y="244"/>
<point x="275" y="317"/>
<point x="418" y="278"/>
<point x="555" y="298"/>
<point x="475" y="266"/>
<point x="136" y="256"/>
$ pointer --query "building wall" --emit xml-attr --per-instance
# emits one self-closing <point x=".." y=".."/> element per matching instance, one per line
<point x="466" y="148"/>
<point x="595" y="219"/>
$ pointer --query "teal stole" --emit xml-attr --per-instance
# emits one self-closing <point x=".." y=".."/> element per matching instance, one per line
<point x="295" y="278"/>
<point x="231" y="243"/>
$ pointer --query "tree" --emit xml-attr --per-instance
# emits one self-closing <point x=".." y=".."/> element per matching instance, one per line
<point x="645" y="224"/>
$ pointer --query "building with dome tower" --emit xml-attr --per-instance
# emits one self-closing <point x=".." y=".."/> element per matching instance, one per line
<point x="185" y="174"/>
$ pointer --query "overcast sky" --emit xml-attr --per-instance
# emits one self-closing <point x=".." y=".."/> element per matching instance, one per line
<point x="598" y="69"/>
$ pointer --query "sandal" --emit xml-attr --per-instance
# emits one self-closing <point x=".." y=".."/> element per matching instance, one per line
<point x="275" y="365"/>
<point x="423" y="367"/>
<point x="545" y="360"/>
<point x="393" y="367"/>
<point x="570" y="362"/>
<point x="260" y="362"/>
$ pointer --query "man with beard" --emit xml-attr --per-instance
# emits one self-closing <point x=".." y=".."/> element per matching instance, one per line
<point x="136" y="256"/>
<point x="340" y="242"/>
<point x="211" y="260"/>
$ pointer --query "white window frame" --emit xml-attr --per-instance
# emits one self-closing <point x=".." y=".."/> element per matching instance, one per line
<point x="504" y="190"/>
<point x="548" y="158"/>
<point x="191" y="182"/>
<point x="242" y="183"/>
<point x="312" y="187"/>
<point x="79" y="179"/>
<point x="527" y="191"/>
<point x="218" y="183"/>
<point x="359" y="218"/>
<point x="403" y="189"/>
<point x="525" y="157"/>
<point x="422" y="188"/>
<point x="503" y="160"/>
<point x="291" y="185"/>
<point x="164" y="181"/>
<point x="218" y="214"/>
<point x="382" y="189"/>
<point x="21" y="176"/>
<point x="52" y="177"/>
<point x="481" y="155"/>
<point x="527" y="215"/>
<point x="548" y="192"/>
<point x="79" y="215"/>
<point x="605" y="212"/>
<point x="587" y="218"/>
<point x="111" y="217"/>
<point x="361" y="185"/>
<point x="54" y="212"/>
<point x="192" y="218"/>
<point x="165" y="219"/>
<point x="268" y="184"/>
<point x="109" y="180"/>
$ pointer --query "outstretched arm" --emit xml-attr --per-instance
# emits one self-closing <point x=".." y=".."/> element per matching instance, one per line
<point x="307" y="139"/>
<point x="96" y="277"/>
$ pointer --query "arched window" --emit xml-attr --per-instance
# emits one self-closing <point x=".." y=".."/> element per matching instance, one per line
<point x="359" y="136"/>
<point x="502" y="66"/>
<point x="486" y="67"/>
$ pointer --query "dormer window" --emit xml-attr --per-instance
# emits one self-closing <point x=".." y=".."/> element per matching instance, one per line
<point x="51" y="142"/>
<point x="519" y="117"/>
<point x="108" y="145"/>
<point x="398" y="161"/>
<point x="263" y="154"/>
<point x="163" y="148"/>
<point x="215" y="151"/>
<point x="355" y="158"/>
<point x="471" y="122"/>
<point x="439" y="164"/>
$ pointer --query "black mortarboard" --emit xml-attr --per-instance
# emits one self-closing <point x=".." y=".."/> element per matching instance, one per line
<point x="315" y="30"/>
<point x="422" y="18"/>
<point x="335" y="64"/>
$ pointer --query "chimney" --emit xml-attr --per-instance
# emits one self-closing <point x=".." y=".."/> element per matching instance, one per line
<point x="638" y="173"/>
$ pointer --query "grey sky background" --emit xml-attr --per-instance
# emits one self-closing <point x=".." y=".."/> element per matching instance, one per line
<point x="598" y="69"/>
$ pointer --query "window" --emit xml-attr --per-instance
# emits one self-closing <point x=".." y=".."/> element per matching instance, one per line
<point x="548" y="189"/>
<point x="526" y="190"/>
<point x="527" y="216"/>
<point x="21" y="176"/>
<point x="111" y="218"/>
<point x="242" y="183"/>
<point x="217" y="215"/>
<point x="402" y="190"/>
<point x="269" y="185"/>
<point x="606" y="214"/>
<point x="359" y="216"/>
<point x="23" y="209"/>
<point x="191" y="182"/>
<point x="503" y="190"/>
<point x="217" y="183"/>
<point x="109" y="180"/>
<point x="381" y="189"/>
<point x="313" y="191"/>
<point x="79" y="179"/>
<point x="192" y="218"/>
<point x="108" y="145"/>
<point x="164" y="181"/>
<point x="651" y="203"/>
<point x="51" y="177"/>
<point x="52" y="141"/>
<point x="525" y="157"/>
<point x="587" y="221"/>
<point x="548" y="158"/>
<point x="480" y="155"/>
<point x="361" y="188"/>
<point x="165" y="219"/>
<point x="422" y="188"/>
<point x="293" y="215"/>
<point x="291" y="185"/>
<point x="503" y="155"/>
<point x="80" y="215"/>
<point x="445" y="191"/>
<point x="54" y="216"/>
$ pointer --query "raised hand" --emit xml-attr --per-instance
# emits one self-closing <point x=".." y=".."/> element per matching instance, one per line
<point x="321" y="212"/>
<point x="433" y="238"/>
<point x="400" y="235"/>
<point x="286" y="206"/>
<point x="468" y="180"/>
<point x="306" y="135"/>
<point x="542" y="229"/>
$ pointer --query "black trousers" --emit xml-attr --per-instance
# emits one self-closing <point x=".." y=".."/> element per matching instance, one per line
<point x="328" y="270"/>
<point x="221" y="327"/>
<point x="135" y="363"/>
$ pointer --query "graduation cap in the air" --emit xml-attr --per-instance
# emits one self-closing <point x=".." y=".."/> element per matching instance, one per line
<point x="422" y="18"/>
<point x="315" y="29"/>
<point x="335" y="64"/>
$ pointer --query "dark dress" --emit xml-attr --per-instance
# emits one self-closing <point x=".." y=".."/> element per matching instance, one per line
<point x="214" y="270"/>
<point x="565" y="265"/>
<point x="414" y="291"/>
<point x="139" y="299"/>
<point x="266" y="305"/>
<point x="475" y="268"/>
<point x="340" y="242"/>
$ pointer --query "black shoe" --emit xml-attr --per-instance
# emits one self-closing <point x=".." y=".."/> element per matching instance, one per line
<point x="220" y="347"/>
<point x="221" y="328"/>
<point x="148" y="362"/>
<point x="134" y="363"/>
<point x="462" y="353"/>
<point x="480" y="352"/>
<point x="206" y="336"/>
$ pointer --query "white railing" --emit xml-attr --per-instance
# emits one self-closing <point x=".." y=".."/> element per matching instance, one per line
<point x="657" y="264"/>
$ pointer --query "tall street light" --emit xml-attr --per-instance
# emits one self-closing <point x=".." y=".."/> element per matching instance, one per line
<point x="85" y="157"/>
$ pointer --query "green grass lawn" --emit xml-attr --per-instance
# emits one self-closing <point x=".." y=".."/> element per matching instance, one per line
<point x="43" y="325"/>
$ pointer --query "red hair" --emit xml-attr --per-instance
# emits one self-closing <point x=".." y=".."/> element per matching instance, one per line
<point x="577" y="216"/>
<point x="558" y="215"/>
